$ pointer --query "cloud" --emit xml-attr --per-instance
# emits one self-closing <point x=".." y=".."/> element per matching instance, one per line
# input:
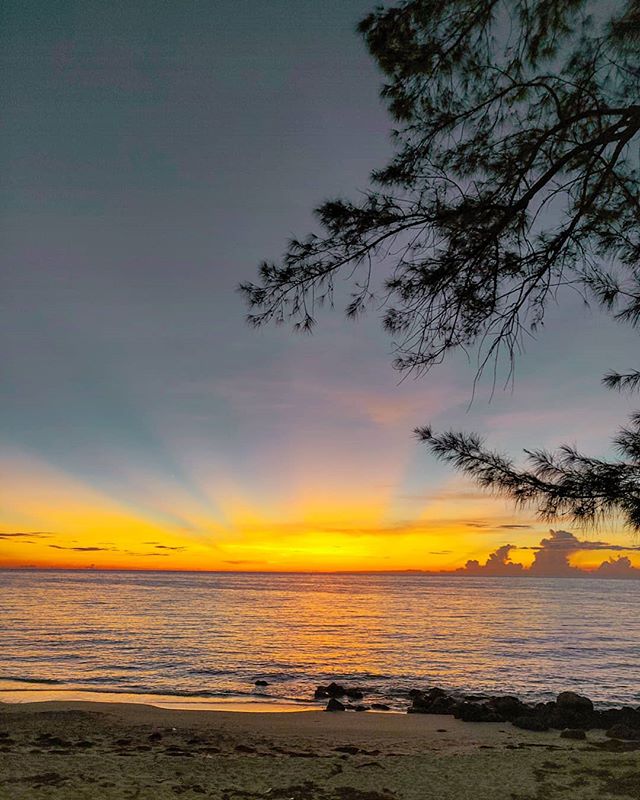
<point x="167" y="547"/>
<point x="513" y="527"/>
<point x="240" y="561"/>
<point x="84" y="549"/>
<point x="491" y="527"/>
<point x="620" y="567"/>
<point x="30" y="534"/>
<point x="552" y="559"/>
<point x="498" y="563"/>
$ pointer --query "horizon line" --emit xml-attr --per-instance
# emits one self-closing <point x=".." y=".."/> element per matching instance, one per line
<point x="584" y="573"/>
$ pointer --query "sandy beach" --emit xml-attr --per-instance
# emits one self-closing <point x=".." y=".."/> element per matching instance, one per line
<point x="68" y="750"/>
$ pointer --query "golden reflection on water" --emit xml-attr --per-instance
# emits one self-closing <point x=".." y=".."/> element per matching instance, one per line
<point x="215" y="634"/>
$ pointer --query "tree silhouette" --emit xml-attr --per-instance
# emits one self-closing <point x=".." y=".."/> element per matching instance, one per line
<point x="515" y="177"/>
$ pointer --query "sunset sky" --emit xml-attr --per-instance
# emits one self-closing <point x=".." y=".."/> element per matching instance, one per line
<point x="151" y="158"/>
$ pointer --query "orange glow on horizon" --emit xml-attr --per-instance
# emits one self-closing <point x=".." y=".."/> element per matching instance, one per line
<point x="53" y="520"/>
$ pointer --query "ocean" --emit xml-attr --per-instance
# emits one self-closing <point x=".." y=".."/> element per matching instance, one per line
<point x="205" y="638"/>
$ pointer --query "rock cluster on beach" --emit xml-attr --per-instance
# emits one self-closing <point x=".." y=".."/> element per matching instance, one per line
<point x="570" y="712"/>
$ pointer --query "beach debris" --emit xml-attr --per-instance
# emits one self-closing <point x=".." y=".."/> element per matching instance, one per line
<point x="573" y="733"/>
<point x="335" y="705"/>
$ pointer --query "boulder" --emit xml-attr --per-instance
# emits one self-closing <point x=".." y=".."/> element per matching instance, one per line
<point x="335" y="705"/>
<point x="435" y="691"/>
<point x="420" y="703"/>
<point x="530" y="723"/>
<point x="380" y="707"/>
<point x="622" y="731"/>
<point x="332" y="690"/>
<point x="509" y="707"/>
<point x="354" y="694"/>
<point x="570" y="701"/>
<point x="572" y="733"/>
<point x="566" y="718"/>
<point x="260" y="682"/>
<point x="616" y="716"/>
<point x="442" y="705"/>
<point x="476" y="712"/>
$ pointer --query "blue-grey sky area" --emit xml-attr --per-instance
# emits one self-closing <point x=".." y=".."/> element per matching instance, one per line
<point x="152" y="154"/>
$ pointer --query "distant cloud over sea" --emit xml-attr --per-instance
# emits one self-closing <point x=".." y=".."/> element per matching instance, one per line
<point x="552" y="559"/>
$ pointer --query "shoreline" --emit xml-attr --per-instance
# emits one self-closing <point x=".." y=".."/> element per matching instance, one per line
<point x="416" y="701"/>
<point x="238" y="704"/>
<point x="68" y="750"/>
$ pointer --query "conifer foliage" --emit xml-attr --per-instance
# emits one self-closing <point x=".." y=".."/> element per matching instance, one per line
<point x="514" y="180"/>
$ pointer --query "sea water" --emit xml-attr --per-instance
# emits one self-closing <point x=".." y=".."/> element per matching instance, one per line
<point x="202" y="636"/>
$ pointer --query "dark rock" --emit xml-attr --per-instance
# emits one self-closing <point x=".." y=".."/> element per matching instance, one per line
<point x="354" y="694"/>
<point x="156" y="736"/>
<point x="476" y="712"/>
<point x="571" y="701"/>
<point x="334" y="705"/>
<point x="380" y="707"/>
<point x="565" y="718"/>
<point x="509" y="707"/>
<point x="573" y="733"/>
<point x="415" y="693"/>
<point x="361" y="708"/>
<point x="435" y="691"/>
<point x="442" y="705"/>
<point x="420" y="704"/>
<point x="332" y="690"/>
<point x="530" y="723"/>
<point x="260" y="682"/>
<point x="617" y="716"/>
<point x="622" y="731"/>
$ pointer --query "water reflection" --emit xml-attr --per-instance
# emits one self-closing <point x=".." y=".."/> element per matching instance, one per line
<point x="214" y="634"/>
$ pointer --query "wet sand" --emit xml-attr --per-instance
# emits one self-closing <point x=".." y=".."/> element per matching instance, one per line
<point x="68" y="750"/>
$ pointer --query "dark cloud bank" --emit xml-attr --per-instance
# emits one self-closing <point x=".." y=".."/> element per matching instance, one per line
<point x="551" y="560"/>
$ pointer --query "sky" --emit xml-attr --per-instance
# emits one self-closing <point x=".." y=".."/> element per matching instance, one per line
<point x="152" y="155"/>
